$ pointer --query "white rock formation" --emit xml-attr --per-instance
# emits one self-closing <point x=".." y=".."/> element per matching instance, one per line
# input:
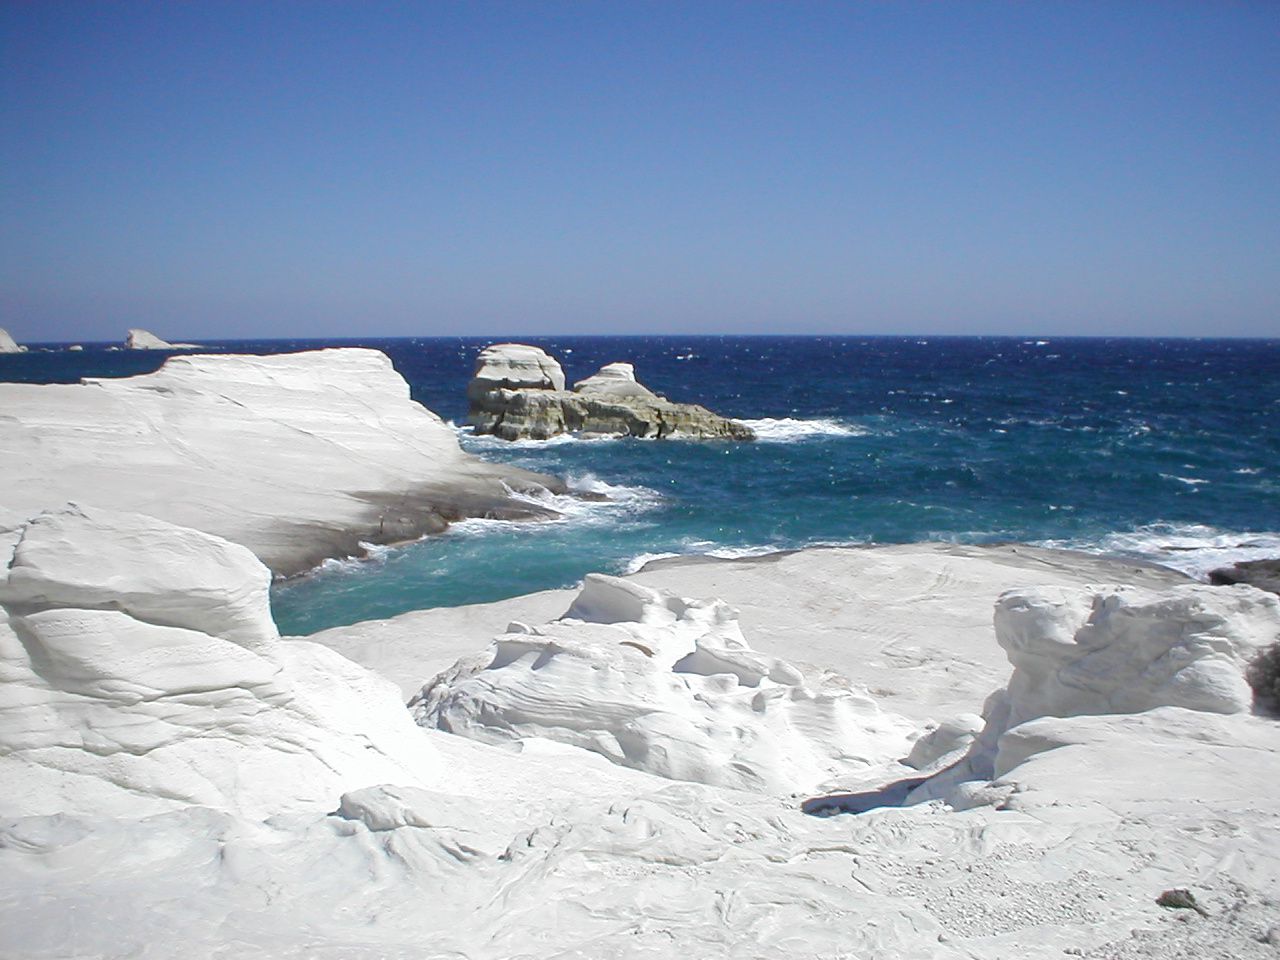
<point x="518" y="393"/>
<point x="666" y="685"/>
<point x="139" y="339"/>
<point x="297" y="456"/>
<point x="7" y="344"/>
<point x="1097" y="652"/>
<point x="515" y="366"/>
<point x="911" y="622"/>
<point x="614" y="380"/>
<point x="140" y="672"/>
<point x="534" y="849"/>
<point x="1126" y="650"/>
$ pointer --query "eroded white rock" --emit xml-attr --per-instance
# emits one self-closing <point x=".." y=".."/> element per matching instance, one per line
<point x="515" y="366"/>
<point x="139" y="339"/>
<point x="297" y="456"/>
<point x="614" y="380"/>
<point x="667" y="685"/>
<point x="7" y="343"/>
<point x="140" y="671"/>
<point x="1112" y="652"/>
<point x="1127" y="650"/>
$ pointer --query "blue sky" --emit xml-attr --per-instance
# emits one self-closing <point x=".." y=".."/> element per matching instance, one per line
<point x="222" y="170"/>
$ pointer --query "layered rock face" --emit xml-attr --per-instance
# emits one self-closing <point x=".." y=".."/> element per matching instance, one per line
<point x="140" y="672"/>
<point x="7" y="344"/>
<point x="299" y="457"/>
<point x="518" y="392"/>
<point x="666" y="685"/>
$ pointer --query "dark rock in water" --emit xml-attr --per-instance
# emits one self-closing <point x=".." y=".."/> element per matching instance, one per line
<point x="518" y="393"/>
<point x="1263" y="574"/>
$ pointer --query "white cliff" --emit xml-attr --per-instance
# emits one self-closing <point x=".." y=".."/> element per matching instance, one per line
<point x="7" y="344"/>
<point x="140" y="671"/>
<point x="297" y="456"/>
<point x="139" y="339"/>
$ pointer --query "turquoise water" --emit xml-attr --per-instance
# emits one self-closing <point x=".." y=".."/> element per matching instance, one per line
<point x="1167" y="450"/>
<point x="1164" y="449"/>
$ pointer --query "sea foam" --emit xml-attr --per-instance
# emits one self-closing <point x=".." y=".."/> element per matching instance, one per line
<point x="1194" y="549"/>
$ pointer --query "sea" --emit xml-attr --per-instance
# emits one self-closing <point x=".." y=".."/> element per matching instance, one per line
<point x="1166" y="450"/>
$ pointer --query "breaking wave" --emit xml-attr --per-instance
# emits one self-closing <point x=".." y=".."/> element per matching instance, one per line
<point x="1194" y="549"/>
<point x="790" y="430"/>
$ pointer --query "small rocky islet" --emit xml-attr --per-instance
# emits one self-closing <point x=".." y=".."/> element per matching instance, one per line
<point x="519" y="392"/>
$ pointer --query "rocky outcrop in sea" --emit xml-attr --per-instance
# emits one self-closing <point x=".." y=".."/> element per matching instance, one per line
<point x="139" y="339"/>
<point x="518" y="392"/>
<point x="7" y="343"/>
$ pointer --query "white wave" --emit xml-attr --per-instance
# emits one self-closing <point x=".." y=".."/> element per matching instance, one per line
<point x="790" y="430"/>
<point x="709" y="548"/>
<point x="618" y="503"/>
<point x="701" y="549"/>
<point x="1194" y="549"/>
<point x="617" y="493"/>
<point x="1189" y="481"/>
<point x="372" y="553"/>
<point x="472" y="442"/>
<point x="641" y="560"/>
<point x="472" y="526"/>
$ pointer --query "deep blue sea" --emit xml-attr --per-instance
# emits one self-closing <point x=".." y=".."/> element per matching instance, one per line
<point x="1162" y="449"/>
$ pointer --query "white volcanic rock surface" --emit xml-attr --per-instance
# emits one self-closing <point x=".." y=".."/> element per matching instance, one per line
<point x="515" y="366"/>
<point x="667" y="685"/>
<point x="139" y="339"/>
<point x="7" y="344"/>
<point x="235" y="843"/>
<point x="912" y="623"/>
<point x="1127" y="651"/>
<point x="298" y="456"/>
<point x="1111" y="651"/>
<point x="140" y="671"/>
<point x="614" y="380"/>
<point x="182" y="782"/>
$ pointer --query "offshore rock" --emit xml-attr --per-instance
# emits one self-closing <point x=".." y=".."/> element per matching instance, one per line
<point x="518" y="393"/>
<point x="7" y="344"/>
<point x="139" y="339"/>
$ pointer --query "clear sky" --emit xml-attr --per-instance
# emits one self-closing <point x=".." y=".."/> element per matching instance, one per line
<point x="272" y="168"/>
